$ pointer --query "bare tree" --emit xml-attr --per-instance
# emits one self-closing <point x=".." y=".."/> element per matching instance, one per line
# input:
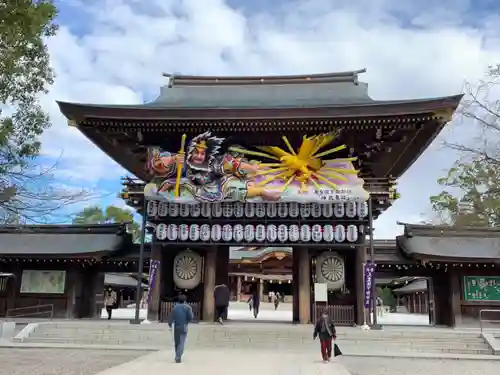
<point x="28" y="192"/>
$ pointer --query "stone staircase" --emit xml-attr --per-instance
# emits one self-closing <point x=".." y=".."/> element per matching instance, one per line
<point x="352" y="341"/>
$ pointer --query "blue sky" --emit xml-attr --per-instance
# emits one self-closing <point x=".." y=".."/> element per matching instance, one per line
<point x="114" y="51"/>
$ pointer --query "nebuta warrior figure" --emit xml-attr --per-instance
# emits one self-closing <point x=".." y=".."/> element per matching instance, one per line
<point x="207" y="175"/>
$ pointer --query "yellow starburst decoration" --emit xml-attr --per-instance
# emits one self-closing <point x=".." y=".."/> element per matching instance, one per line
<point x="304" y="165"/>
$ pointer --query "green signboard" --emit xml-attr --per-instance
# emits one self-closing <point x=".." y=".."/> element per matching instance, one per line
<point x="481" y="288"/>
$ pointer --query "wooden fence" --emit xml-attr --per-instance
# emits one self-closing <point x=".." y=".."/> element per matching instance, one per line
<point x="166" y="309"/>
<point x="342" y="315"/>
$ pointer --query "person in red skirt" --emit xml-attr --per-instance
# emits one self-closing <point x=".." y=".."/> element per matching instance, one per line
<point x="325" y="330"/>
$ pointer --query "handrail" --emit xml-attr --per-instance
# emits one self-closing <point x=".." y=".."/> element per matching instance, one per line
<point x="49" y="311"/>
<point x="481" y="320"/>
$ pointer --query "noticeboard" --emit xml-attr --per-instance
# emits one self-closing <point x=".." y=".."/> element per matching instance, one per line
<point x="481" y="288"/>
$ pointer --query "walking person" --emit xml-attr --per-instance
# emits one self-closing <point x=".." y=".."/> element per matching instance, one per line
<point x="255" y="302"/>
<point x="110" y="300"/>
<point x="325" y="330"/>
<point x="180" y="317"/>
<point x="250" y="303"/>
<point x="221" y="299"/>
<point x="276" y="300"/>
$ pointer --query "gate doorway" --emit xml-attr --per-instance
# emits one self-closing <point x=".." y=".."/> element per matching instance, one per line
<point x="264" y="273"/>
<point x="405" y="301"/>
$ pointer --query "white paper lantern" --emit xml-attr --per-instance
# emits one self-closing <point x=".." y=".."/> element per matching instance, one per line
<point x="305" y="233"/>
<point x="260" y="209"/>
<point x="216" y="210"/>
<point x="338" y="210"/>
<point x="195" y="210"/>
<point x="161" y="231"/>
<point x="327" y="210"/>
<point x="227" y="209"/>
<point x="183" y="232"/>
<point x="293" y="233"/>
<point x="206" y="209"/>
<point x="305" y="210"/>
<point x="249" y="209"/>
<point x="293" y="209"/>
<point x="316" y="233"/>
<point x="172" y="232"/>
<point x="162" y="209"/>
<point x="271" y="210"/>
<point x="362" y="209"/>
<point x="184" y="210"/>
<point x="328" y="233"/>
<point x="249" y="233"/>
<point x="282" y="209"/>
<point x="282" y="233"/>
<point x="271" y="233"/>
<point x="227" y="233"/>
<point x="205" y="233"/>
<point x="352" y="233"/>
<point x="339" y="233"/>
<point x="350" y="209"/>
<point x="238" y="232"/>
<point x="194" y="232"/>
<point x="238" y="209"/>
<point x="216" y="233"/>
<point x="260" y="233"/>
<point x="152" y="208"/>
<point x="315" y="210"/>
<point x="173" y="209"/>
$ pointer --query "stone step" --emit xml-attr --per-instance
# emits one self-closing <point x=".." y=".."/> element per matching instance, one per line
<point x="347" y="349"/>
<point x="245" y="331"/>
<point x="215" y="336"/>
<point x="255" y="341"/>
<point x="254" y="338"/>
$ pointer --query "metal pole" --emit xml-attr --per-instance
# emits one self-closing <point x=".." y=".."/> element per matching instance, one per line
<point x="372" y="261"/>
<point x="138" y="296"/>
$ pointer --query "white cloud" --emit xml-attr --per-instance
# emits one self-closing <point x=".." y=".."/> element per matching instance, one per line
<point x="129" y="44"/>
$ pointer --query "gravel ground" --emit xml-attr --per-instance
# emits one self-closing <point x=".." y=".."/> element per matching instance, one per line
<point x="61" y="361"/>
<point x="406" y="366"/>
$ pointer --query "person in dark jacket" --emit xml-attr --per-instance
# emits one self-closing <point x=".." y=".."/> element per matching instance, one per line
<point x="325" y="330"/>
<point x="221" y="299"/>
<point x="180" y="317"/>
<point x="255" y="302"/>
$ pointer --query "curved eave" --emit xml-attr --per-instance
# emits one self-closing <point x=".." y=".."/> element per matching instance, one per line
<point x="450" y="249"/>
<point x="79" y="112"/>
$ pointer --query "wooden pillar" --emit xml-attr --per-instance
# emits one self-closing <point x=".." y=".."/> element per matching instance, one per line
<point x="361" y="258"/>
<point x="456" y="297"/>
<point x="261" y="289"/>
<point x="295" y="286"/>
<point x="209" y="285"/>
<point x="238" y="288"/>
<point x="222" y="267"/>
<point x="304" y="286"/>
<point x="155" y="292"/>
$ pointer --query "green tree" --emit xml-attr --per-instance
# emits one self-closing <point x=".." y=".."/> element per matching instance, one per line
<point x="111" y="214"/>
<point x="471" y="194"/>
<point x="27" y="191"/>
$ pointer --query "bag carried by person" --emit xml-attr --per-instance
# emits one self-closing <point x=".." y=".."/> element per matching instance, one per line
<point x="336" y="350"/>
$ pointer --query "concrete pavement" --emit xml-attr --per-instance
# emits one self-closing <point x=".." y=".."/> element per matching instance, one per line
<point x="244" y="362"/>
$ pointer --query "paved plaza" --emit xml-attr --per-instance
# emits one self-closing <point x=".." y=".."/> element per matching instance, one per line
<point x="23" y="361"/>
<point x="243" y="362"/>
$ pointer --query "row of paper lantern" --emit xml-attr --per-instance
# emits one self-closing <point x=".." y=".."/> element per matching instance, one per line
<point x="260" y="210"/>
<point x="257" y="233"/>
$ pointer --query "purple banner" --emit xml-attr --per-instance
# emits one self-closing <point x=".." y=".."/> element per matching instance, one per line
<point x="153" y="268"/>
<point x="369" y="270"/>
